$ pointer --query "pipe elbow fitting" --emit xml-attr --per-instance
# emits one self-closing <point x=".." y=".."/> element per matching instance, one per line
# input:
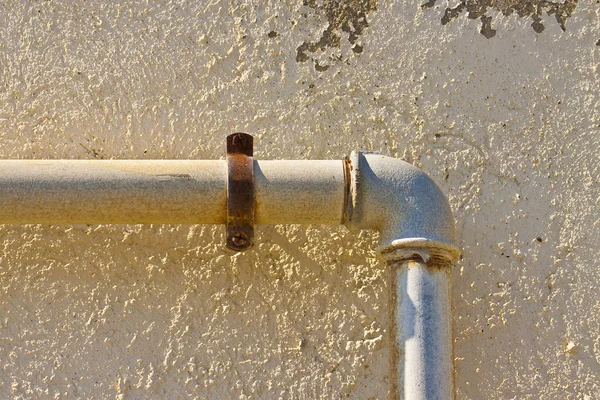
<point x="404" y="204"/>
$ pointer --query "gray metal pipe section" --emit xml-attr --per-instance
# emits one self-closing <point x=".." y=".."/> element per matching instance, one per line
<point x="164" y="191"/>
<point x="422" y="359"/>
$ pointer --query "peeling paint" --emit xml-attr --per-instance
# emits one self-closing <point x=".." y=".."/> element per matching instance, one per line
<point x="486" y="27"/>
<point x="349" y="17"/>
<point x="525" y="9"/>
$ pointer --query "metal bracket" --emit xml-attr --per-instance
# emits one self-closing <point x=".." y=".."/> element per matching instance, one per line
<point x="240" y="192"/>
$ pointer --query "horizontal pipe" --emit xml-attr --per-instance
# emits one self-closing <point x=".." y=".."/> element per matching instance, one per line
<point x="164" y="191"/>
<point x="299" y="191"/>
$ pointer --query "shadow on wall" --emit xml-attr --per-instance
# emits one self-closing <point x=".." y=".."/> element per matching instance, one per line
<point x="146" y="309"/>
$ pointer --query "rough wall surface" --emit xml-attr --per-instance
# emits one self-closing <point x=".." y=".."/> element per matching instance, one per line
<point x="504" y="117"/>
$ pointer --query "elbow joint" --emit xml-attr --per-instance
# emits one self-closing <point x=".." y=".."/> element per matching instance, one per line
<point x="404" y="204"/>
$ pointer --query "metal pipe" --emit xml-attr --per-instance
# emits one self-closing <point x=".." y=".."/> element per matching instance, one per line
<point x="422" y="360"/>
<point x="417" y="242"/>
<point x="369" y="191"/>
<point x="167" y="191"/>
<point x="299" y="192"/>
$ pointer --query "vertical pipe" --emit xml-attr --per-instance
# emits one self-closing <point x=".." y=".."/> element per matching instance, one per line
<point x="422" y="350"/>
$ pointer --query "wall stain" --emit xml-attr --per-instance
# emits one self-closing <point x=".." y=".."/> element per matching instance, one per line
<point x="350" y="16"/>
<point x="477" y="9"/>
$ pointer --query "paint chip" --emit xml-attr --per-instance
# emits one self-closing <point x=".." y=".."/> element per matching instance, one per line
<point x="571" y="347"/>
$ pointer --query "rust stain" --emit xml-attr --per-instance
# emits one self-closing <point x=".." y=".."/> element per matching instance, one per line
<point x="395" y="354"/>
<point x="240" y="192"/>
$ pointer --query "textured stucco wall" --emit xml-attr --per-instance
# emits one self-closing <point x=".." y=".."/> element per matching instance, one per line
<point x="492" y="98"/>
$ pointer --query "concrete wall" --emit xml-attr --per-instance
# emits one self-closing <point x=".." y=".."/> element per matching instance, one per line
<point x="497" y="100"/>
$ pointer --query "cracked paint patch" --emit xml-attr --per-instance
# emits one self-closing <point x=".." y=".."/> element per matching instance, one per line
<point x="477" y="9"/>
<point x="342" y="16"/>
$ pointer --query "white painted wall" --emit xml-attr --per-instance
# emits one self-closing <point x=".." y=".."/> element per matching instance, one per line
<point x="509" y="127"/>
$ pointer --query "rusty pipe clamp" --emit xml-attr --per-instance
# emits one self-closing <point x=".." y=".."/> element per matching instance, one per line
<point x="240" y="192"/>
